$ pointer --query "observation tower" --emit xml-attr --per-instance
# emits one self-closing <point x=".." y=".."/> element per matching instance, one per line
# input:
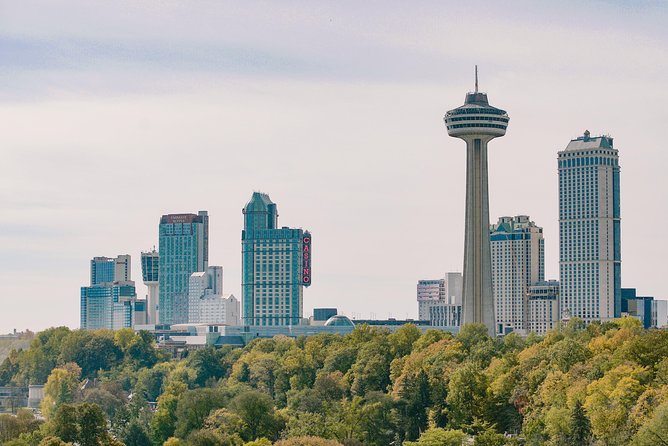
<point x="477" y="123"/>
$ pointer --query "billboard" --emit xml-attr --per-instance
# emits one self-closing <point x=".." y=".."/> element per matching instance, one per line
<point x="306" y="259"/>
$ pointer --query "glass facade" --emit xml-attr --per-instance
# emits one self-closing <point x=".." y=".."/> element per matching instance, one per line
<point x="589" y="229"/>
<point x="273" y="263"/>
<point x="183" y="250"/>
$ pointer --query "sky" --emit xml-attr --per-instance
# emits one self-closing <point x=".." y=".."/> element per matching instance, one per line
<point x="113" y="113"/>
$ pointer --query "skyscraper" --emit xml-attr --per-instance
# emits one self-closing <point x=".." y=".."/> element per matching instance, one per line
<point x="477" y="123"/>
<point x="276" y="266"/>
<point x="150" y="269"/>
<point x="589" y="229"/>
<point x="183" y="250"/>
<point x="518" y="261"/>
<point x="109" y="301"/>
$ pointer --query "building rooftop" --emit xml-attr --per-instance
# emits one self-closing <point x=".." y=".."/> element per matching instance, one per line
<point x="586" y="141"/>
<point x="258" y="202"/>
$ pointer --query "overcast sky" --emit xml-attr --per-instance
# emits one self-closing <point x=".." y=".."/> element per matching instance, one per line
<point x="114" y="113"/>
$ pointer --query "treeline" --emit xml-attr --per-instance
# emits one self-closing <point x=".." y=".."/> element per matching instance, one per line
<point x="603" y="384"/>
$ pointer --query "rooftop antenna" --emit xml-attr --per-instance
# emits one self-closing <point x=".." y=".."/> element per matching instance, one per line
<point x="476" y="78"/>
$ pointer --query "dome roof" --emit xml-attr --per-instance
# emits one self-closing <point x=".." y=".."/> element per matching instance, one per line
<point x="339" y="321"/>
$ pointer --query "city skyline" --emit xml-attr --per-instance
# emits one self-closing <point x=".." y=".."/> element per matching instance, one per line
<point x="352" y="119"/>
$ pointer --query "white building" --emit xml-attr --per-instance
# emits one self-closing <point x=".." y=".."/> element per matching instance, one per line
<point x="589" y="229"/>
<point x="543" y="307"/>
<point x="517" y="262"/>
<point x="440" y="293"/>
<point x="206" y="303"/>
<point x="660" y="313"/>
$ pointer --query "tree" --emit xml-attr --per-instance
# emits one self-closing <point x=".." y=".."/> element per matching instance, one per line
<point x="60" y="388"/>
<point x="65" y="423"/>
<point x="92" y="425"/>
<point x="489" y="437"/>
<point x="307" y="441"/>
<point x="193" y="407"/>
<point x="439" y="437"/>
<point x="135" y="435"/>
<point x="163" y="423"/>
<point x="256" y="410"/>
<point x="655" y="430"/>
<point x="53" y="441"/>
<point x="580" y="427"/>
<point x="259" y="442"/>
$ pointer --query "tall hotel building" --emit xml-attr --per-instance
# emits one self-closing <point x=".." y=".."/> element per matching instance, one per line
<point x="589" y="229"/>
<point x="518" y="259"/>
<point x="109" y="302"/>
<point x="183" y="250"/>
<point x="276" y="266"/>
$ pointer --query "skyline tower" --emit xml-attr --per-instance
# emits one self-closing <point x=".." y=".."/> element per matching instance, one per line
<point x="589" y="229"/>
<point x="477" y="123"/>
<point x="276" y="266"/>
<point x="183" y="250"/>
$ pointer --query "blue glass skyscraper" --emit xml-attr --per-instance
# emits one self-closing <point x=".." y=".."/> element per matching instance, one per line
<point x="276" y="266"/>
<point x="589" y="229"/>
<point x="183" y="250"/>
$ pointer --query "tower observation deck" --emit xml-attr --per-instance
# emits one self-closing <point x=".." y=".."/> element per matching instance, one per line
<point x="477" y="123"/>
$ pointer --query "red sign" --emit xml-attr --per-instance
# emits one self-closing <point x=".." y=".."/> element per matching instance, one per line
<point x="306" y="259"/>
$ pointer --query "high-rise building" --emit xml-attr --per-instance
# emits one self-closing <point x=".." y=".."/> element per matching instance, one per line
<point x="589" y="229"/>
<point x="183" y="250"/>
<point x="276" y="266"/>
<point x="517" y="262"/>
<point x="150" y="269"/>
<point x="438" y="292"/>
<point x="543" y="306"/>
<point x="109" y="301"/>
<point x="477" y="123"/>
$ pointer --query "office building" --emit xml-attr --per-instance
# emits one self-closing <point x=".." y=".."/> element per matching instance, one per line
<point x="183" y="250"/>
<point x="150" y="270"/>
<point x="107" y="269"/>
<point x="445" y="315"/>
<point x="589" y="229"/>
<point x="477" y="123"/>
<point x="322" y="315"/>
<point x="276" y="266"/>
<point x="109" y="302"/>
<point x="517" y="262"/>
<point x="543" y="312"/>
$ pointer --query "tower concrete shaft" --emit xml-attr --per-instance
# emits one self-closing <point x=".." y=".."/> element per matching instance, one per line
<point x="477" y="123"/>
<point x="478" y="299"/>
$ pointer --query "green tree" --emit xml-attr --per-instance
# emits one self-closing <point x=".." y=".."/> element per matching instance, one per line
<point x="163" y="423"/>
<point x="53" y="441"/>
<point x="92" y="425"/>
<point x="256" y="410"/>
<point x="135" y="435"/>
<point x="439" y="437"/>
<point x="655" y="430"/>
<point x="193" y="407"/>
<point x="65" y="423"/>
<point x="580" y="427"/>
<point x="60" y="388"/>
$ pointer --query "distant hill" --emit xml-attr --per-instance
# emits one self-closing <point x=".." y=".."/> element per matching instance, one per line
<point x="9" y="344"/>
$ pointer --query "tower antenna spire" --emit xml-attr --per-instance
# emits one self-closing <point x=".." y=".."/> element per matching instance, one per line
<point x="476" y="78"/>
